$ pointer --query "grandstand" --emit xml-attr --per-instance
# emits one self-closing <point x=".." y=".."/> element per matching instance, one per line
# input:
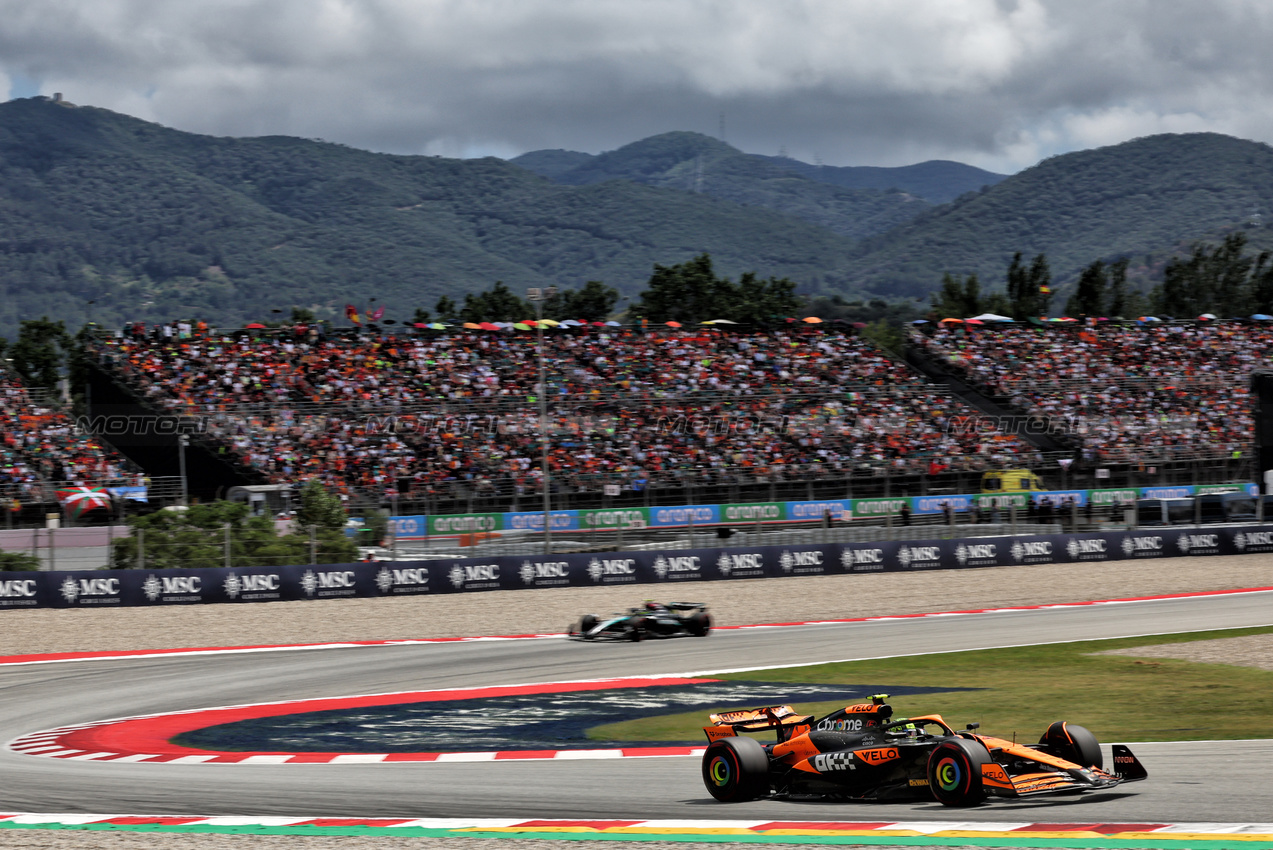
<point x="448" y="421"/>
<point x="1147" y="393"/>
<point x="41" y="450"/>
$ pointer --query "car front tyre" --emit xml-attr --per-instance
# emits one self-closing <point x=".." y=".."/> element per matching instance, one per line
<point x="1073" y="743"/>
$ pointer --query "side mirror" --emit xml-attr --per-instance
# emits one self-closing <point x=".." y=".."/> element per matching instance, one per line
<point x="971" y="726"/>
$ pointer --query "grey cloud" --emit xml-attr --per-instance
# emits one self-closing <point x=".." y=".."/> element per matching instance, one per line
<point x="999" y="84"/>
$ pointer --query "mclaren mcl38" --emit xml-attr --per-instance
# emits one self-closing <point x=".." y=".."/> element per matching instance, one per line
<point x="864" y="752"/>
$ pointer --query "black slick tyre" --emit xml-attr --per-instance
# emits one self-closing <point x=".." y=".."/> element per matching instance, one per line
<point x="954" y="772"/>
<point x="699" y="625"/>
<point x="636" y="630"/>
<point x="1073" y="743"/>
<point x="587" y="623"/>
<point x="736" y="770"/>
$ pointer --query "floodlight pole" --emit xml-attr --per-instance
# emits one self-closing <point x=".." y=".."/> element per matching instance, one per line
<point x="537" y="297"/>
<point x="182" y="442"/>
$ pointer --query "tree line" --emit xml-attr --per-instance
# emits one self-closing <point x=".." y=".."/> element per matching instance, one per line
<point x="688" y="292"/>
<point x="1224" y="280"/>
<point x="1027" y="292"/>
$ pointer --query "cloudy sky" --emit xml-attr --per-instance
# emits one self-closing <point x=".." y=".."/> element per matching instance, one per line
<point x="996" y="83"/>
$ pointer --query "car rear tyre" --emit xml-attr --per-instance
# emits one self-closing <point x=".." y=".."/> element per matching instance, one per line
<point x="699" y="625"/>
<point x="1073" y="743"/>
<point x="954" y="772"/>
<point x="736" y="770"/>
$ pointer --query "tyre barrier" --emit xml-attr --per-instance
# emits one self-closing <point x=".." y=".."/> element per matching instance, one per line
<point x="95" y="588"/>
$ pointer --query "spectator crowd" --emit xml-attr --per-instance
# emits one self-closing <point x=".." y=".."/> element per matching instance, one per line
<point x="40" y="448"/>
<point x="1126" y="393"/>
<point x="404" y="413"/>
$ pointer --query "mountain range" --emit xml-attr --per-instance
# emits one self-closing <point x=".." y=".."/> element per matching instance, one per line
<point x="688" y="160"/>
<point x="108" y="218"/>
<point x="854" y="202"/>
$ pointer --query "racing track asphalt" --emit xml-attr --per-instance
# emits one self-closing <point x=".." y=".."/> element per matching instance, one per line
<point x="1211" y="782"/>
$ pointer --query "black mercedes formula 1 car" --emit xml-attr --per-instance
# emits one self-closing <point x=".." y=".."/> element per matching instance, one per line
<point x="651" y="620"/>
<point x="863" y="752"/>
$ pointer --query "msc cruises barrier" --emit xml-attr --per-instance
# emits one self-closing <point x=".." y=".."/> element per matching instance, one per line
<point x="104" y="588"/>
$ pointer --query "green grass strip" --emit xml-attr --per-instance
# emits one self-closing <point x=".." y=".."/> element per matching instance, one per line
<point x="1165" y="842"/>
<point x="1022" y="690"/>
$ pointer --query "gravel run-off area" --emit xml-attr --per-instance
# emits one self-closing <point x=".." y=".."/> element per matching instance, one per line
<point x="549" y="611"/>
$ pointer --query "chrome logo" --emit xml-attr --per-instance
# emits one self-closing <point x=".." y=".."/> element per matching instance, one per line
<point x="720" y="771"/>
<point x="949" y="774"/>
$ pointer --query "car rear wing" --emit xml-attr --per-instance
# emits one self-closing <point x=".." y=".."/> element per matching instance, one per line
<point x="780" y="717"/>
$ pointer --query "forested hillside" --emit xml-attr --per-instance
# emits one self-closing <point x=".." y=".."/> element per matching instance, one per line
<point x="936" y="181"/>
<point x="698" y="164"/>
<point x="108" y="218"/>
<point x="152" y="223"/>
<point x="1144" y="200"/>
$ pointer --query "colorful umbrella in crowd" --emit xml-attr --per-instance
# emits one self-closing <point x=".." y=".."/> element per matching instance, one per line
<point x="812" y="320"/>
<point x="673" y="324"/>
<point x="77" y="501"/>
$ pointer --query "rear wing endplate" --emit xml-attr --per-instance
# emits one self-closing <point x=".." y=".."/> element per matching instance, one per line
<point x="780" y="717"/>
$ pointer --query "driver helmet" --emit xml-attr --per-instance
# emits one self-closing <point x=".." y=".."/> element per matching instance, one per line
<point x="651" y="605"/>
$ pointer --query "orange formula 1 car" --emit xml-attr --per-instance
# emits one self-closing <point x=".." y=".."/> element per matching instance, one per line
<point x="863" y="752"/>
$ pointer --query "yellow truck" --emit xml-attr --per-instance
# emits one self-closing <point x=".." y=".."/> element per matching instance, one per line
<point x="1004" y="481"/>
